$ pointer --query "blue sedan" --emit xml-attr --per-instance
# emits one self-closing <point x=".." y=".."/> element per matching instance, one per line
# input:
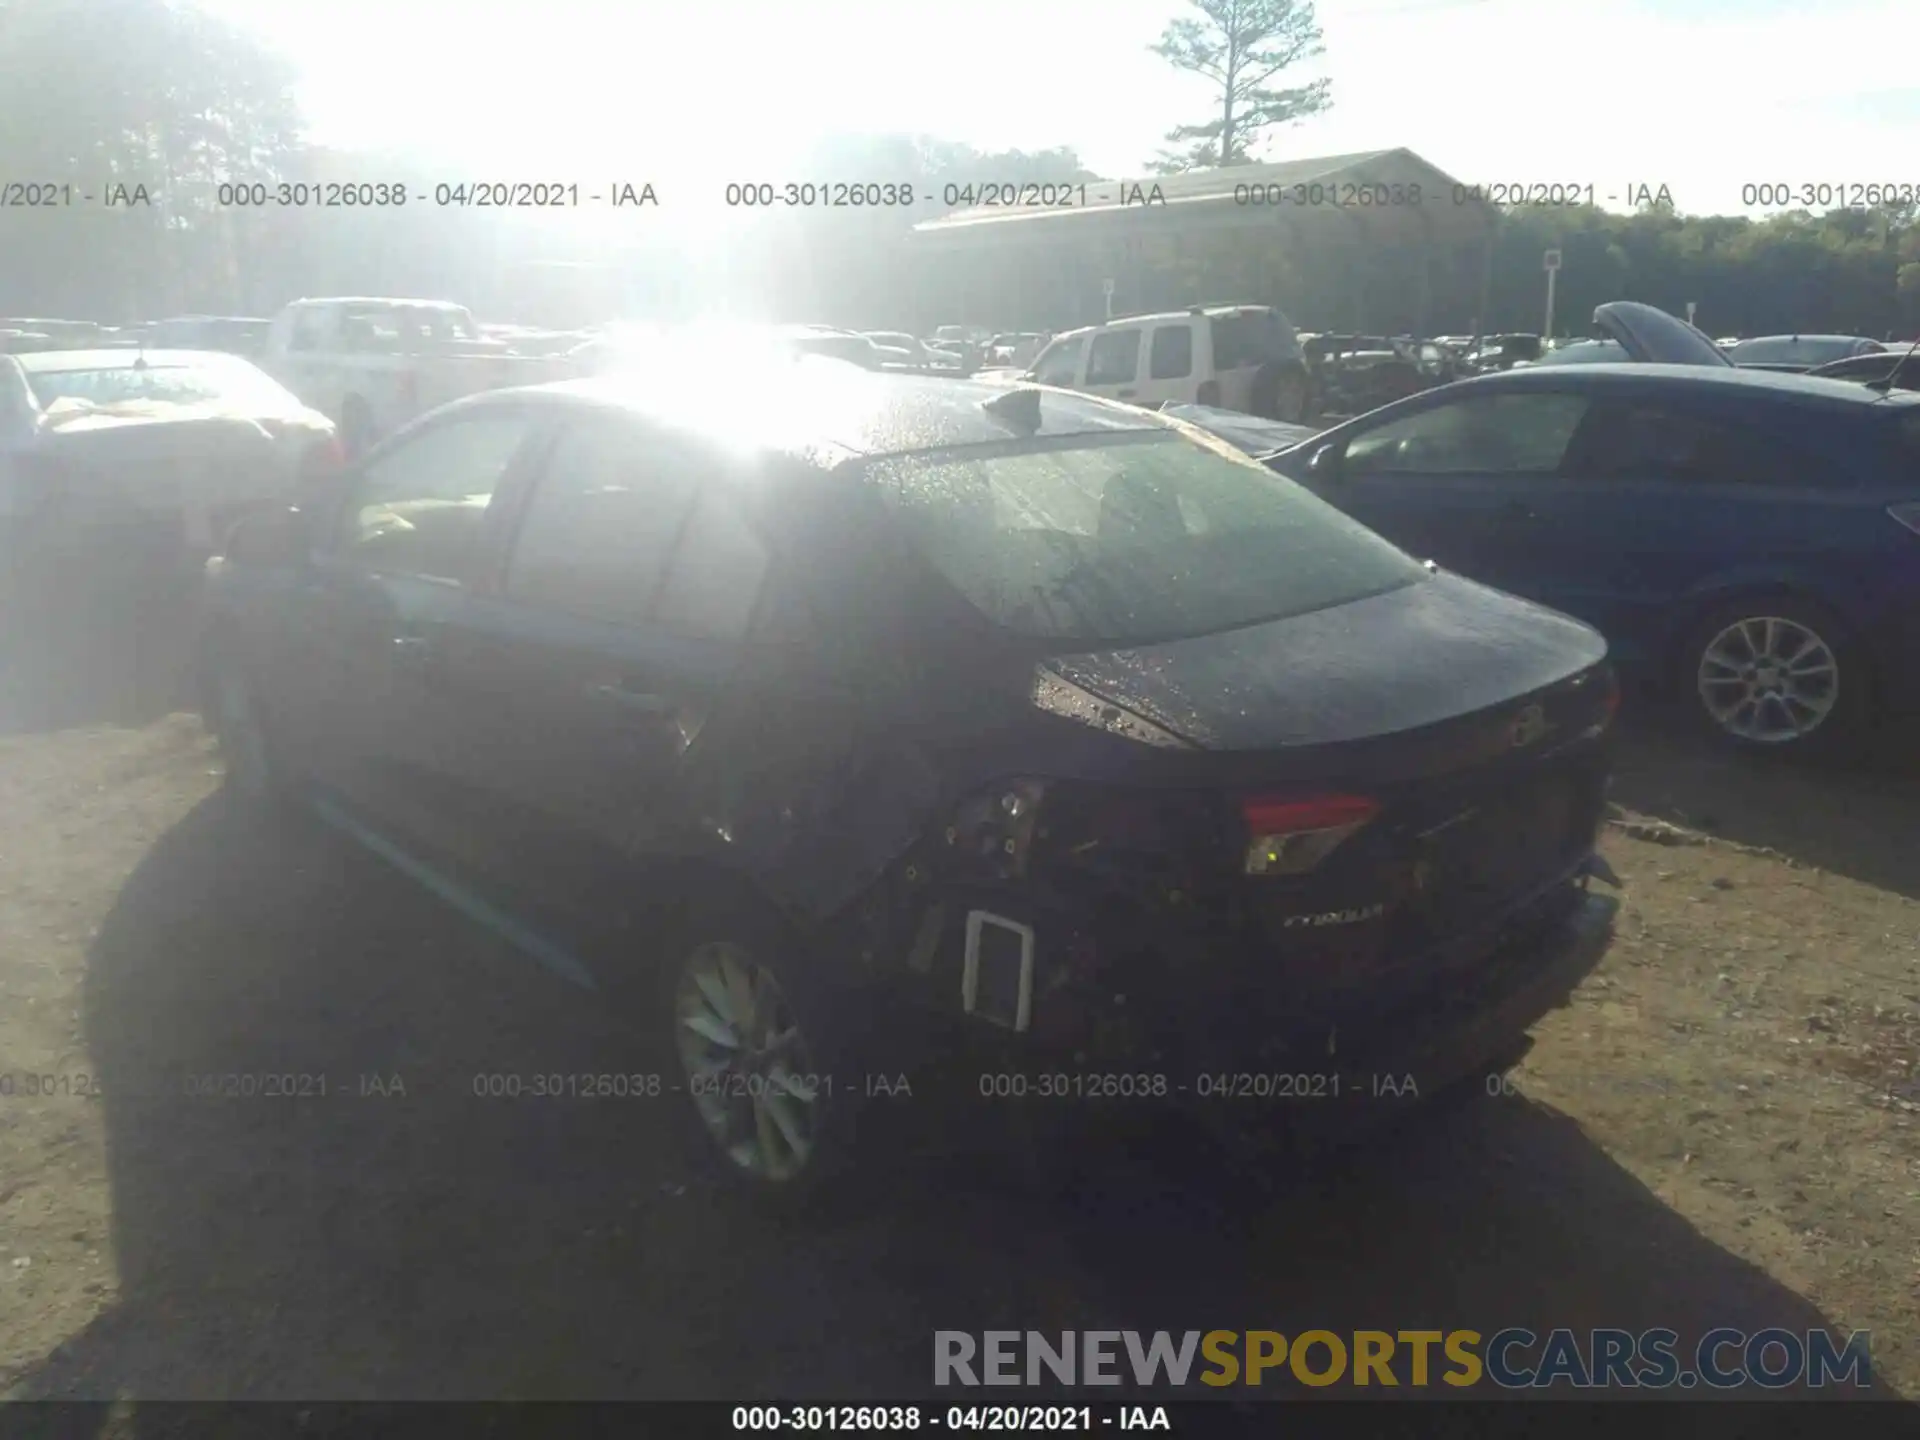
<point x="1751" y="538"/>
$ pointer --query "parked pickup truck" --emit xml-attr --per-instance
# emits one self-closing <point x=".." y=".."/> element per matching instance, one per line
<point x="372" y="365"/>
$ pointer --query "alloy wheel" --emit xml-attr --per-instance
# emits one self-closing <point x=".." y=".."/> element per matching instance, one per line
<point x="747" y="1065"/>
<point x="1768" y="679"/>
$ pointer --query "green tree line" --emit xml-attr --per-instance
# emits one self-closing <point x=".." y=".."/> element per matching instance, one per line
<point x="168" y="103"/>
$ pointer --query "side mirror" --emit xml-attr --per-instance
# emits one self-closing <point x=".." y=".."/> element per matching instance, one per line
<point x="269" y="540"/>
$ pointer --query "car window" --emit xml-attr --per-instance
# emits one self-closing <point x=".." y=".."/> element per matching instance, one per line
<point x="601" y="522"/>
<point x="1488" y="434"/>
<point x="1131" y="539"/>
<point x="1115" y="358"/>
<point x="214" y="378"/>
<point x="419" y="509"/>
<point x="1643" y="440"/>
<point x="717" y="573"/>
<point x="1172" y="355"/>
<point x="1060" y="365"/>
<point x="1792" y="350"/>
<point x="309" y="330"/>
<point x="1252" y="339"/>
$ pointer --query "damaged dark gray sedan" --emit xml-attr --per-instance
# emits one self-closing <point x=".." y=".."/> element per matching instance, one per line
<point x="909" y="725"/>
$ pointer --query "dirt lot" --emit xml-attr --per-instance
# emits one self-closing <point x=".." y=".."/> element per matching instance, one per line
<point x="1722" y="1129"/>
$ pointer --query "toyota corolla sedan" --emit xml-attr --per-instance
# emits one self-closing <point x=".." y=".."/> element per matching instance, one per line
<point x="894" y="717"/>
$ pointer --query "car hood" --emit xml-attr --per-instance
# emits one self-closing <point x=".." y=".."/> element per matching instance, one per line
<point x="1653" y="337"/>
<point x="1416" y="656"/>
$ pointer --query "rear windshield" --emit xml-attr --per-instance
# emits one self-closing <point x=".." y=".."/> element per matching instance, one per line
<point x="215" y="378"/>
<point x="1252" y="338"/>
<point x="1790" y="351"/>
<point x="1131" y="539"/>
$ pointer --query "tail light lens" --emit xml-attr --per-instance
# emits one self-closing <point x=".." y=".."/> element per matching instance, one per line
<point x="1610" y="696"/>
<point x="1208" y="393"/>
<point x="1907" y="514"/>
<point x="995" y="828"/>
<point x="1291" y="837"/>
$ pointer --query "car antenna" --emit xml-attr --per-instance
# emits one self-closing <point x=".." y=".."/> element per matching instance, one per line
<point x="1885" y="384"/>
<point x="1019" y="406"/>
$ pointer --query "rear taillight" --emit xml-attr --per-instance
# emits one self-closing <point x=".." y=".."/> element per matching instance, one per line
<point x="1907" y="514"/>
<point x="1208" y="393"/>
<point x="1291" y="837"/>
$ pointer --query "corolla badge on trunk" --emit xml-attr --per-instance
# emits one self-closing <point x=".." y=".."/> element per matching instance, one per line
<point x="1528" y="726"/>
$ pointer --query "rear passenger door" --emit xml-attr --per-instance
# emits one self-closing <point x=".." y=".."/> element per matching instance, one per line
<point x="1667" y="493"/>
<point x="1114" y="358"/>
<point x="593" y="660"/>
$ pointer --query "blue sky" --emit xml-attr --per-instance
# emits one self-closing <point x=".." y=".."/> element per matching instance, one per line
<point x="1699" y="95"/>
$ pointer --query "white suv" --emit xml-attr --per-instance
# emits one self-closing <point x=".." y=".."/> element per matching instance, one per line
<point x="1231" y="357"/>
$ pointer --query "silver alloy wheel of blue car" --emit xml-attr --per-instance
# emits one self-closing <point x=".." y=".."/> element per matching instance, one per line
<point x="1768" y="679"/>
<point x="748" y="1067"/>
<point x="243" y="742"/>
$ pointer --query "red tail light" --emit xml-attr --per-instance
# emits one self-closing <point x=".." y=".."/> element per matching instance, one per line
<point x="1290" y="837"/>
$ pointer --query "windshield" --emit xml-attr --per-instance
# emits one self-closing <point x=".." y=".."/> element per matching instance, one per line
<point x="1131" y="539"/>
<point x="1785" y="350"/>
<point x="212" y="378"/>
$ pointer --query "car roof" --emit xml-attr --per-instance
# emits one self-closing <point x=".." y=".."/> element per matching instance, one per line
<point x="123" y="358"/>
<point x="823" y="411"/>
<point x="1804" y="389"/>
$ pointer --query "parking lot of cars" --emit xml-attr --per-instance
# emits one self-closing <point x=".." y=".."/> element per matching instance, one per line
<point x="903" y="730"/>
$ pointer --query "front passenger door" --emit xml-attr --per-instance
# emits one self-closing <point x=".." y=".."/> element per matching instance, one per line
<point x="1113" y="364"/>
<point x="1460" y="482"/>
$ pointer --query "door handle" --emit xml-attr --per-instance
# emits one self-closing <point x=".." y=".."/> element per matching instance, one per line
<point x="1517" y="510"/>
<point x="1126" y="393"/>
<point x="633" y="702"/>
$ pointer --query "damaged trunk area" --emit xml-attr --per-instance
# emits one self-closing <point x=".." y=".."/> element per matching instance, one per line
<point x="1214" y="912"/>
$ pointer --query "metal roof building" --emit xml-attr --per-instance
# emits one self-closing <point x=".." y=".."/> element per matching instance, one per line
<point x="1391" y="226"/>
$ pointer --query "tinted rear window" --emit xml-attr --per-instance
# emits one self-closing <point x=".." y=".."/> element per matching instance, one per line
<point x="1131" y="539"/>
<point x="1252" y="339"/>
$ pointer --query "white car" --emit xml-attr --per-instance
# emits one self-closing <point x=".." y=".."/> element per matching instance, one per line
<point x="1228" y="357"/>
<point x="174" y="443"/>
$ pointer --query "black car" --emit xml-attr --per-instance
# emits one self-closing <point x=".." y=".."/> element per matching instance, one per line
<point x="896" y="716"/>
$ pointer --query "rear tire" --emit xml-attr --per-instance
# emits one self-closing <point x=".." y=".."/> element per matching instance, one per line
<point x="1775" y="673"/>
<point x="1282" y="392"/>
<point x="763" y="1043"/>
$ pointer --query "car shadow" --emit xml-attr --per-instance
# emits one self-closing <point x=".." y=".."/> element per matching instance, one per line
<point x="93" y="647"/>
<point x="1854" y="816"/>
<point x="402" y="1237"/>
